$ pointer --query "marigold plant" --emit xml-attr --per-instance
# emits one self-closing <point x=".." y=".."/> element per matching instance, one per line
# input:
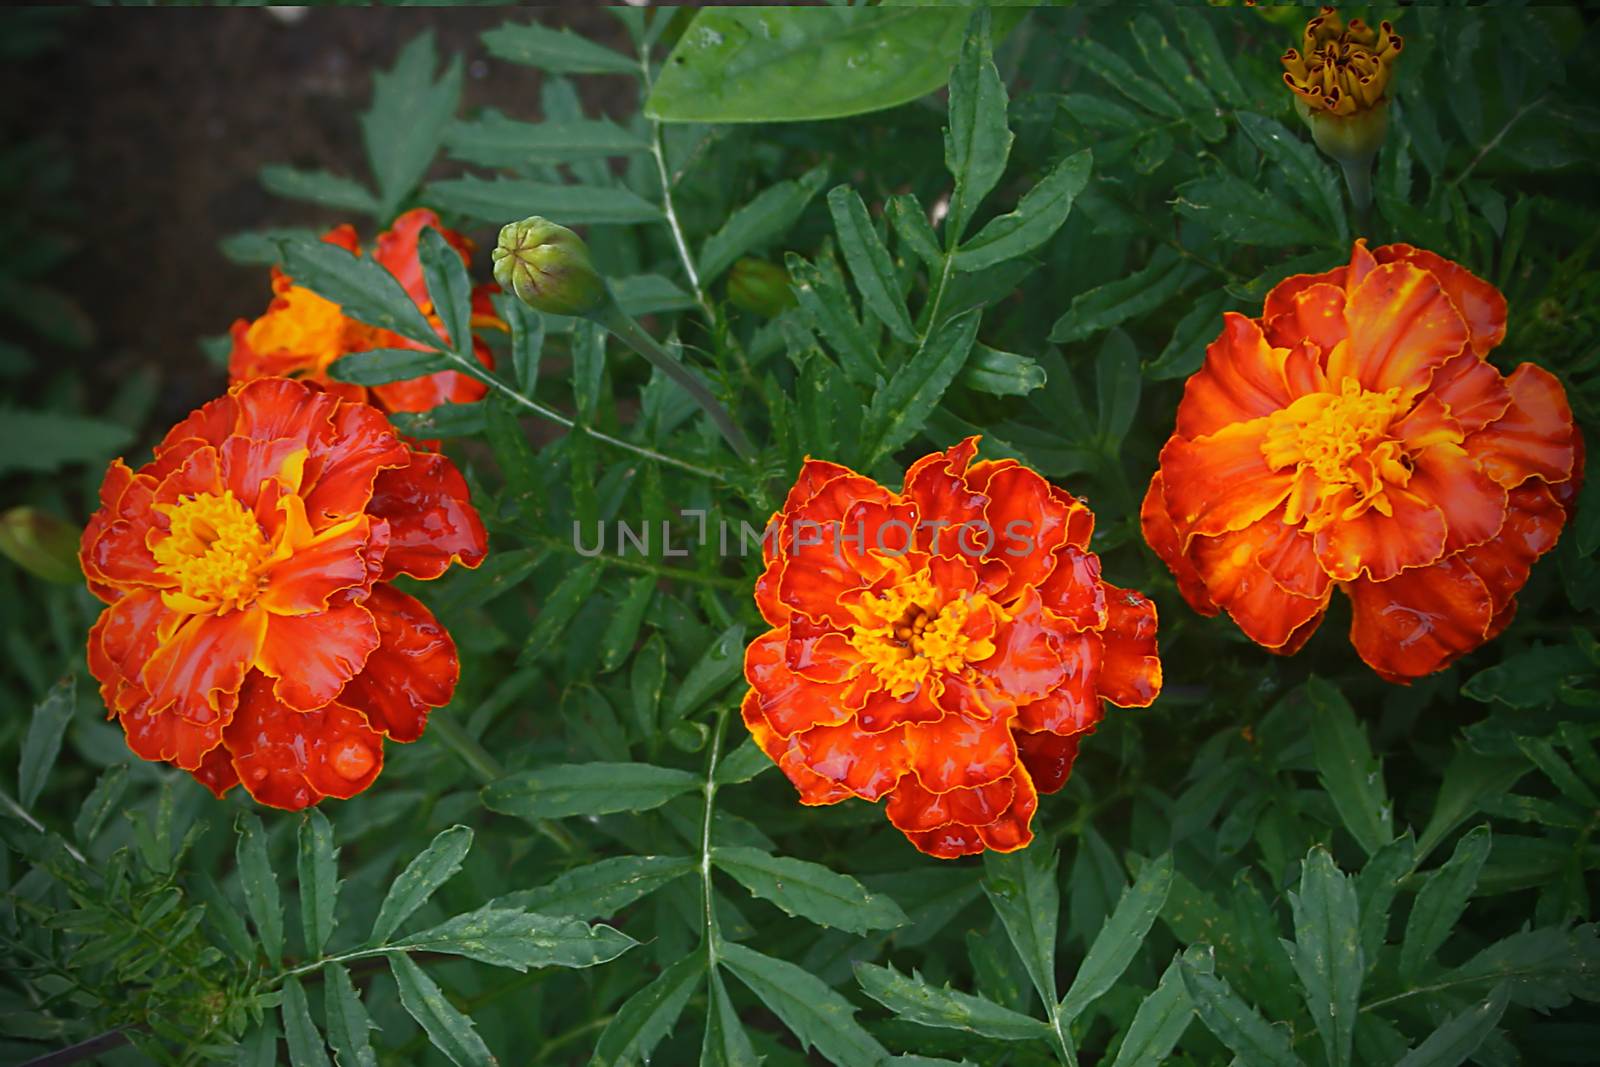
<point x="1355" y="435"/>
<point x="252" y="634"/>
<point x="302" y="334"/>
<point x="945" y="647"/>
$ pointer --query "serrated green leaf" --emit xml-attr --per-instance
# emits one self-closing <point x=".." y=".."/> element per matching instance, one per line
<point x="318" y="187"/>
<point x="1119" y="940"/>
<point x="869" y="262"/>
<point x="743" y="764"/>
<point x="1164" y="1015"/>
<point x="809" y="890"/>
<point x="977" y="139"/>
<point x="1022" y="888"/>
<point x="348" y="1023"/>
<point x="1459" y="1036"/>
<point x="910" y="221"/>
<point x="759" y="223"/>
<point x="44" y="441"/>
<point x="449" y="289"/>
<point x="318" y="865"/>
<point x="649" y="1015"/>
<point x="1468" y="780"/>
<point x="451" y="1032"/>
<point x="622" y="631"/>
<point x="914" y="1000"/>
<point x="819" y="1017"/>
<point x="503" y="200"/>
<point x="380" y="366"/>
<point x="305" y="1041"/>
<point x="645" y="682"/>
<point x="1441" y="900"/>
<point x="1186" y="351"/>
<point x="446" y="420"/>
<point x="715" y="670"/>
<point x="556" y="51"/>
<point x="1038" y="215"/>
<point x="42" y="744"/>
<point x="1168" y="65"/>
<point x="511" y="937"/>
<point x="259" y="1048"/>
<point x="725" y="1044"/>
<point x="1353" y="779"/>
<point x="1310" y="178"/>
<point x="1207" y="55"/>
<point x="828" y="309"/>
<point x="260" y="885"/>
<point x="258" y="248"/>
<point x="1543" y="968"/>
<point x="409" y="114"/>
<point x="1116" y="302"/>
<point x="493" y="140"/>
<point x="1326" y="952"/>
<point x="558" y="791"/>
<point x="897" y="409"/>
<point x="434" y="866"/>
<point x="989" y="370"/>
<point x="527" y="328"/>
<point x="1116" y="72"/>
<point x="1376" y="888"/>
<point x="100" y="803"/>
<point x="1235" y="1023"/>
<point x="601" y="888"/>
<point x="360" y="285"/>
<point x="559" y="607"/>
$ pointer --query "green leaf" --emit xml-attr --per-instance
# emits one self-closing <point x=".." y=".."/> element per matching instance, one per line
<point x="809" y="890"/>
<point x="906" y="214"/>
<point x="815" y="1014"/>
<point x="1326" y="952"/>
<point x="527" y="342"/>
<point x="305" y="1042"/>
<point x="1207" y="55"/>
<point x="897" y="410"/>
<point x="451" y="1032"/>
<point x="1310" y="179"/>
<point x="42" y="745"/>
<point x="1459" y="1036"/>
<point x="511" y="937"/>
<point x="409" y="115"/>
<point x="504" y="200"/>
<point x="1543" y="968"/>
<point x="260" y="885"/>
<point x="1353" y="779"/>
<point x="1164" y="1015"/>
<point x="601" y="888"/>
<point x="914" y="1000"/>
<point x="1237" y="210"/>
<point x="622" y="631"/>
<point x="1119" y="939"/>
<point x="493" y="140"/>
<point x="1038" y="215"/>
<point x="1441" y="901"/>
<point x="1186" y="351"/>
<point x="259" y="248"/>
<point x="977" y="140"/>
<point x="557" y="791"/>
<point x="45" y="441"/>
<point x="319" y="880"/>
<point x="556" y="51"/>
<point x="100" y="803"/>
<point x="360" y="285"/>
<point x="434" y="866"/>
<point x="1022" y="888"/>
<point x="786" y="65"/>
<point x="870" y="266"/>
<point x="1117" y="387"/>
<point x="1235" y="1023"/>
<point x="588" y="368"/>
<point x="446" y="420"/>
<point x="1116" y="302"/>
<point x="380" y="366"/>
<point x="1116" y="72"/>
<point x="726" y="1044"/>
<point x="828" y="309"/>
<point x="743" y="764"/>
<point x="1168" y="65"/>
<point x="347" y="1021"/>
<point x="759" y="223"/>
<point x="649" y="1015"/>
<point x="989" y="370"/>
<point x="645" y="682"/>
<point x="1376" y="888"/>
<point x="558" y="608"/>
<point x="319" y="187"/>
<point x="717" y="668"/>
<point x="260" y="1046"/>
<point x="449" y="289"/>
<point x="1469" y="779"/>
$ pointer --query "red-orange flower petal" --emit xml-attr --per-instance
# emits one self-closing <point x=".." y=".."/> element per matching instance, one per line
<point x="313" y="657"/>
<point x="1481" y="305"/>
<point x="1402" y="328"/>
<point x="1535" y="438"/>
<point x="1421" y="620"/>
<point x="432" y="524"/>
<point x="1048" y="758"/>
<point x="291" y="759"/>
<point x="413" y="669"/>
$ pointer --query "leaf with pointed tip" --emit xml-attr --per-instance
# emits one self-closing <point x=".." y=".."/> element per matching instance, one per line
<point x="897" y="410"/>
<point x="348" y="1023"/>
<point x="451" y="1032"/>
<point x="1235" y="1023"/>
<point x="449" y="289"/>
<point x="318" y="187"/>
<point x="43" y="741"/>
<point x="869" y="261"/>
<point x="380" y="366"/>
<point x="559" y="791"/>
<point x="555" y="51"/>
<point x="360" y="285"/>
<point x="759" y="223"/>
<point x="511" y="937"/>
<point x="1164" y="1015"/>
<point x="1326" y="952"/>
<point x="1459" y="1036"/>
<point x="649" y="1015"/>
<point x="1354" y="779"/>
<point x="1440" y="902"/>
<point x="1022" y="888"/>
<point x="1042" y="211"/>
<point x="305" y="1042"/>
<point x="977" y="140"/>
<point x="319" y="880"/>
<point x="914" y="1000"/>
<point x="409" y="115"/>
<point x="601" y="888"/>
<point x="434" y="866"/>
<point x="501" y="199"/>
<point x="260" y="885"/>
<point x="809" y="890"/>
<point x="814" y="1013"/>
<point x="1120" y="938"/>
<point x="725" y="1043"/>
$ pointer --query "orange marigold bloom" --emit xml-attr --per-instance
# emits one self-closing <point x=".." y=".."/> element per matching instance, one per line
<point x="252" y="634"/>
<point x="945" y="647"/>
<point x="302" y="333"/>
<point x="1355" y="435"/>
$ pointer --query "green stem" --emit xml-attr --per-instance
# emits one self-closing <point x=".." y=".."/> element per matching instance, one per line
<point x="711" y="932"/>
<point x="487" y="769"/>
<point x="619" y="322"/>
<point x="1358" y="178"/>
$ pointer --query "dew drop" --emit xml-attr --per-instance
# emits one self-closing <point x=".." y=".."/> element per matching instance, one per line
<point x="352" y="759"/>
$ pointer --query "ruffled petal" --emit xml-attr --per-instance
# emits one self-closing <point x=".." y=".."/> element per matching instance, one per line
<point x="1533" y="523"/>
<point x="344" y="461"/>
<point x="960" y="751"/>
<point x="212" y="423"/>
<point x="291" y="759"/>
<point x="1481" y="305"/>
<point x="1048" y="757"/>
<point x="1380" y="546"/>
<point x="1473" y="504"/>
<point x="1471" y="390"/>
<point x="867" y="764"/>
<point x="203" y="663"/>
<point x="1026" y="663"/>
<point x="1027" y="523"/>
<point x="1130" y="668"/>
<point x="883" y="711"/>
<point x="216" y="772"/>
<point x="171" y="737"/>
<point x="1014" y="828"/>
<point x="790" y="703"/>
<point x="944" y="497"/>
<point x="912" y="809"/>
<point x="1419" y="621"/>
<point x="1221" y="483"/>
<point x="1314" y="314"/>
<point x="1535" y="438"/>
<point x="1074" y="705"/>
<point x="1162" y="536"/>
<point x="1268" y="613"/>
<point x="413" y="670"/>
<point x="312" y="657"/>
<point x="279" y="408"/>
<point x="820" y="654"/>
<point x="814" y="789"/>
<point x="432" y="522"/>
<point x="1073" y="591"/>
<point x="1402" y="328"/>
<point x="1242" y="379"/>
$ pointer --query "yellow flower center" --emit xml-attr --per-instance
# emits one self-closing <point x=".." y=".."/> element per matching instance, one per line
<point x="216" y="551"/>
<point x="1342" y="445"/>
<point x="1343" y="69"/>
<point x="910" y="630"/>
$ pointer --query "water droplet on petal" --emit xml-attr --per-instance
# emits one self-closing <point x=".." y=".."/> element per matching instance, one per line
<point x="352" y="759"/>
<point x="258" y="774"/>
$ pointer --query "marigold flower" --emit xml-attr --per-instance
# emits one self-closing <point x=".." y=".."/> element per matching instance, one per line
<point x="1340" y="80"/>
<point x="945" y="647"/>
<point x="252" y="634"/>
<point x="1355" y="435"/>
<point x="301" y="333"/>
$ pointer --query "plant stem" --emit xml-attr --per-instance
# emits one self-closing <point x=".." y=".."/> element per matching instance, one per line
<point x="711" y="933"/>
<point x="1358" y="178"/>
<point x="487" y="769"/>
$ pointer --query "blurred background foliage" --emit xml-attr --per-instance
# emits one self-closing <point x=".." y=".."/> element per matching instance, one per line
<point x="1283" y="861"/>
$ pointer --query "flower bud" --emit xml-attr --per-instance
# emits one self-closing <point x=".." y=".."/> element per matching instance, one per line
<point x="547" y="266"/>
<point x="1340" y="79"/>
<point x="760" y="287"/>
<point x="40" y="544"/>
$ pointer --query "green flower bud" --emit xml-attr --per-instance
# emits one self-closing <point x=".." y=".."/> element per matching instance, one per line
<point x="1349" y="139"/>
<point x="760" y="287"/>
<point x="547" y="266"/>
<point x="40" y="544"/>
